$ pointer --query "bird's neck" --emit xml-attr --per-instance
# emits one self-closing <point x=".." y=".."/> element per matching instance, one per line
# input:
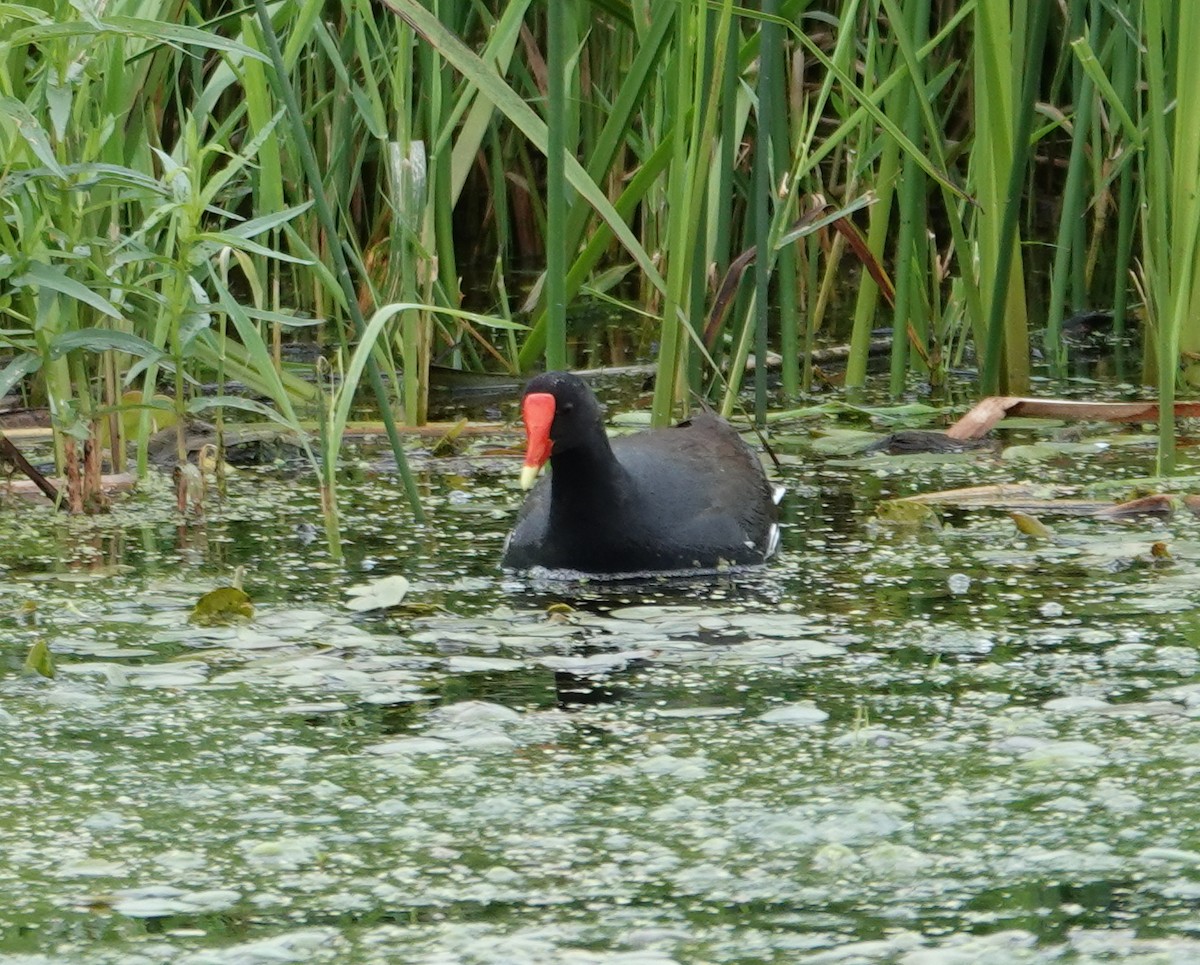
<point x="588" y="472"/>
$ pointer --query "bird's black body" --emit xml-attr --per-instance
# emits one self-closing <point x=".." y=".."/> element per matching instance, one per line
<point x="692" y="497"/>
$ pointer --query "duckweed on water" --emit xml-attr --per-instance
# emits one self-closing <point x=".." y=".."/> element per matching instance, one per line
<point x="897" y="744"/>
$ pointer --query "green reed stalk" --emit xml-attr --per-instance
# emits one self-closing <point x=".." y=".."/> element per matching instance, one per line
<point x="1071" y="226"/>
<point x="807" y="156"/>
<point x="769" y="67"/>
<point x="721" y="225"/>
<point x="1157" y="220"/>
<point x="880" y="217"/>
<point x="556" y="186"/>
<point x="787" y="272"/>
<point x="805" y="159"/>
<point x="433" y="251"/>
<point x="1084" y="256"/>
<point x="284" y="92"/>
<point x="1172" y="213"/>
<point x="1185" y="209"/>
<point x="618" y="125"/>
<point x="515" y="108"/>
<point x="910" y="249"/>
<point x="1006" y="326"/>
<point x="672" y="343"/>
<point x="967" y="286"/>
<point x="406" y="197"/>
<point x="1124" y="73"/>
<point x="692" y="147"/>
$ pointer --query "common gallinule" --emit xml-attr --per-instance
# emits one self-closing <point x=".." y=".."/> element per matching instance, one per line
<point x="692" y="497"/>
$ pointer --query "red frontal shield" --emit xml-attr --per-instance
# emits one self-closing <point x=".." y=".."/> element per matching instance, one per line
<point x="538" y="412"/>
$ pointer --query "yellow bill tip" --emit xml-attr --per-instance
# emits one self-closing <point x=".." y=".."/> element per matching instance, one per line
<point x="529" y="476"/>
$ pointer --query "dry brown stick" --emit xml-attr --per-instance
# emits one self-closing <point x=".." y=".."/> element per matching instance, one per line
<point x="737" y="267"/>
<point x="15" y="456"/>
<point x="987" y="412"/>
<point x="1040" y="498"/>
<point x="858" y="244"/>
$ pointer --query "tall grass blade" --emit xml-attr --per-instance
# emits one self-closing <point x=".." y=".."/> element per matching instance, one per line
<point x="284" y="91"/>
<point x="522" y="115"/>
<point x="1006" y="338"/>
<point x="556" y="186"/>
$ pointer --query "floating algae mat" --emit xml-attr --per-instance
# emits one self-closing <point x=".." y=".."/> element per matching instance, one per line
<point x="948" y="741"/>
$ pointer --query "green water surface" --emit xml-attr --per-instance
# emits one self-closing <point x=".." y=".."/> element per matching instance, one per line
<point x="895" y="744"/>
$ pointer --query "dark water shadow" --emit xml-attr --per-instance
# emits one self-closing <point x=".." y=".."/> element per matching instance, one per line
<point x="757" y="585"/>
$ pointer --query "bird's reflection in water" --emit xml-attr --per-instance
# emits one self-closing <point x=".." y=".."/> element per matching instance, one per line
<point x="580" y="690"/>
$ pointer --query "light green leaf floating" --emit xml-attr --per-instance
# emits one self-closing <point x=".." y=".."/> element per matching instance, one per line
<point x="378" y="595"/>
<point x="1031" y="525"/>
<point x="906" y="513"/>
<point x="843" y="442"/>
<point x="40" y="660"/>
<point x="224" y="605"/>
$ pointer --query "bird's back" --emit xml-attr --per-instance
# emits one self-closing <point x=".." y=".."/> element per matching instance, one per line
<point x="693" y="496"/>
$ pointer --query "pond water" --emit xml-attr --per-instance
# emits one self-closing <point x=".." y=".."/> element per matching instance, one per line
<point x="895" y="744"/>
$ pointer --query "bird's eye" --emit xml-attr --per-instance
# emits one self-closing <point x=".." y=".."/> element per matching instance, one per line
<point x="567" y="407"/>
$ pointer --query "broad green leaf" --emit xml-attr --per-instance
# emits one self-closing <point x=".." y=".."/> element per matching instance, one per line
<point x="159" y="31"/>
<point x="259" y="100"/>
<point x="304" y="19"/>
<point x="238" y="364"/>
<point x="371" y="114"/>
<point x="283" y="318"/>
<point x="217" y="180"/>
<point x="204" y="403"/>
<point x="86" y="175"/>
<point x="328" y="280"/>
<point x="257" y="226"/>
<point x="48" y="276"/>
<point x="40" y="660"/>
<point x="245" y="244"/>
<point x="260" y="362"/>
<point x="102" y="340"/>
<point x="19" y="11"/>
<point x="28" y="127"/>
<point x="903" y="513"/>
<point x="58" y="99"/>
<point x="843" y="442"/>
<point x="825" y="220"/>
<point x="16" y="370"/>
